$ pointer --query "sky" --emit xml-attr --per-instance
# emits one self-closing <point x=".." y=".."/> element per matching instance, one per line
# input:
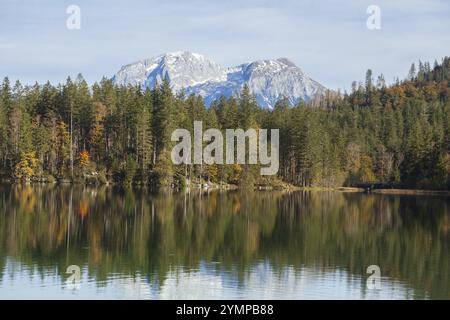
<point x="328" y="39"/>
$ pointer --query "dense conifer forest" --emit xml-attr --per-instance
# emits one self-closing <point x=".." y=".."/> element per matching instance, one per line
<point x="397" y="133"/>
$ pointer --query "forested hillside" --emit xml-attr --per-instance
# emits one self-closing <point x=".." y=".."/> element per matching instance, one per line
<point x="376" y="133"/>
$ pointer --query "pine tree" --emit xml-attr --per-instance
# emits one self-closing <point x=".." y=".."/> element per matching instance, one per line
<point x="163" y="126"/>
<point x="412" y="72"/>
<point x="144" y="140"/>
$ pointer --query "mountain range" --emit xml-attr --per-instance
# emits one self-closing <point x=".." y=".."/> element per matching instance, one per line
<point x="268" y="80"/>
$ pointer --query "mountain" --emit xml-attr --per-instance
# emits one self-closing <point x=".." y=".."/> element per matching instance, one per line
<point x="268" y="80"/>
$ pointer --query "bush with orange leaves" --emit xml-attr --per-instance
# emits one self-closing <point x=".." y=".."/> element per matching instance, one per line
<point x="84" y="159"/>
<point x="26" y="167"/>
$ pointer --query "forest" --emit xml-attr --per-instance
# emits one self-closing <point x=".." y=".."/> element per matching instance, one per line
<point x="73" y="132"/>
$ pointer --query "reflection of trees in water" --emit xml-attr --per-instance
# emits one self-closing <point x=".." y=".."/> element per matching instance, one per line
<point x="125" y="231"/>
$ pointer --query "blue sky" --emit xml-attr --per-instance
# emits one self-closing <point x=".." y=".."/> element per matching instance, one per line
<point x="328" y="39"/>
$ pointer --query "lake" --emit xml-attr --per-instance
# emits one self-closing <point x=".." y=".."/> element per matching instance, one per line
<point x="133" y="244"/>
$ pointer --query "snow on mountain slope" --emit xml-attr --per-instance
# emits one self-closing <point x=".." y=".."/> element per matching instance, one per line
<point x="268" y="80"/>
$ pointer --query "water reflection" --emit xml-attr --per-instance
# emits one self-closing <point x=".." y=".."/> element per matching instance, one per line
<point x="133" y="244"/>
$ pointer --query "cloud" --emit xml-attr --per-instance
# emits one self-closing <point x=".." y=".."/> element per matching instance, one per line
<point x="328" y="39"/>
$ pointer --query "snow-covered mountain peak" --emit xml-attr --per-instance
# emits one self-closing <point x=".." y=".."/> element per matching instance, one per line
<point x="182" y="68"/>
<point x="268" y="80"/>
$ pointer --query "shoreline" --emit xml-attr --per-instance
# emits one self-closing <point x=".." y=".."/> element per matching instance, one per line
<point x="412" y="192"/>
<point x="284" y="187"/>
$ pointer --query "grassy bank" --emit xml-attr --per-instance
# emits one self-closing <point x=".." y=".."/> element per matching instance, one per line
<point x="339" y="189"/>
<point x="412" y="192"/>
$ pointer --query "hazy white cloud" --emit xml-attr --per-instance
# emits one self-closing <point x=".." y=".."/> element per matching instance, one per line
<point x="328" y="39"/>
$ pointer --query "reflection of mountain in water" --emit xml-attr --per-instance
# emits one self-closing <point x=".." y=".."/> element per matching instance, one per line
<point x="264" y="240"/>
<point x="260" y="282"/>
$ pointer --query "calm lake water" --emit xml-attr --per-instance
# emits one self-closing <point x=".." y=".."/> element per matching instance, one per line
<point x="221" y="245"/>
